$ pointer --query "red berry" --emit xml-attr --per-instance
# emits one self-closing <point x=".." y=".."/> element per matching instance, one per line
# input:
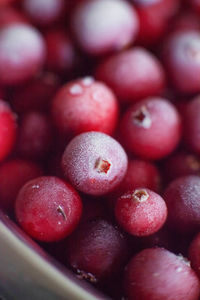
<point x="94" y="163"/>
<point x="182" y="197"/>
<point x="10" y="15"/>
<point x="60" y="51"/>
<point x="102" y="26"/>
<point x="96" y="251"/>
<point x="8" y="130"/>
<point x="151" y="128"/>
<point x="132" y="74"/>
<point x="181" y="57"/>
<point x="141" y="212"/>
<point x="194" y="254"/>
<point x="159" y="274"/>
<point x="43" y="12"/>
<point x="13" y="175"/>
<point x="48" y="208"/>
<point x="35" y="135"/>
<point x="22" y="53"/>
<point x="85" y="105"/>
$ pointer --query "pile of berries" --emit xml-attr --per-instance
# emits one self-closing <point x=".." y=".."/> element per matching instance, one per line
<point x="100" y="139"/>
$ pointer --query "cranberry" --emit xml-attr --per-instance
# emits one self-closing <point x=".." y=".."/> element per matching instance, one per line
<point x="94" y="163"/>
<point x="141" y="212"/>
<point x="8" y="130"/>
<point x="194" y="254"/>
<point x="182" y="199"/>
<point x="181" y="57"/>
<point x="96" y="251"/>
<point x="159" y="274"/>
<point x="43" y="12"/>
<point x="85" y="105"/>
<point x="60" y="51"/>
<point x="154" y="17"/>
<point x="151" y="128"/>
<point x="9" y="15"/>
<point x="36" y="94"/>
<point x="35" y="135"/>
<point x="132" y="74"/>
<point x="181" y="164"/>
<point x="13" y="175"/>
<point x="101" y="26"/>
<point x="22" y="53"/>
<point x="48" y="208"/>
<point x="192" y="125"/>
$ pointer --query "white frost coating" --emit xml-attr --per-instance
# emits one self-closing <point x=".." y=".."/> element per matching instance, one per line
<point x="87" y="81"/>
<point x="100" y="23"/>
<point x="76" y="89"/>
<point x="48" y="9"/>
<point x="79" y="160"/>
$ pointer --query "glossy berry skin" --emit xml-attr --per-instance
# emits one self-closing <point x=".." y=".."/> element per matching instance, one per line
<point x="26" y="53"/>
<point x="60" y="51"/>
<point x="43" y="12"/>
<point x="94" y="163"/>
<point x="182" y="199"/>
<point x="141" y="212"/>
<point x="35" y="135"/>
<point x="154" y="18"/>
<point x="156" y="273"/>
<point x="13" y="175"/>
<point x="132" y="74"/>
<point x="48" y="208"/>
<point x="151" y="128"/>
<point x="118" y="29"/>
<point x="191" y="124"/>
<point x="181" y="164"/>
<point x="97" y="250"/>
<point x="194" y="254"/>
<point x="8" y="129"/>
<point x="182" y="61"/>
<point x="85" y="105"/>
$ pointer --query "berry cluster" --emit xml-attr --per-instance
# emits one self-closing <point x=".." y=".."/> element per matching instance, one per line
<point x="100" y="139"/>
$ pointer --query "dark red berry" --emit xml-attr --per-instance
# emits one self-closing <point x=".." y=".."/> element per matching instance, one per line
<point x="48" y="208"/>
<point x="159" y="274"/>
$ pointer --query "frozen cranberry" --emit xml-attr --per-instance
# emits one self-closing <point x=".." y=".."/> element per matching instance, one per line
<point x="192" y="125"/>
<point x="94" y="162"/>
<point x="159" y="274"/>
<point x="8" y="130"/>
<point x="132" y="74"/>
<point x="13" y="175"/>
<point x="141" y="212"/>
<point x="151" y="128"/>
<point x="101" y="26"/>
<point x="154" y="18"/>
<point x="181" y="164"/>
<point x="9" y="15"/>
<point x="22" y="53"/>
<point x="48" y="208"/>
<point x="36" y="94"/>
<point x="35" y="135"/>
<point x="96" y="250"/>
<point x="43" y="12"/>
<point x="85" y="105"/>
<point x="181" y="57"/>
<point x="182" y="197"/>
<point x="194" y="254"/>
<point x="60" y="51"/>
